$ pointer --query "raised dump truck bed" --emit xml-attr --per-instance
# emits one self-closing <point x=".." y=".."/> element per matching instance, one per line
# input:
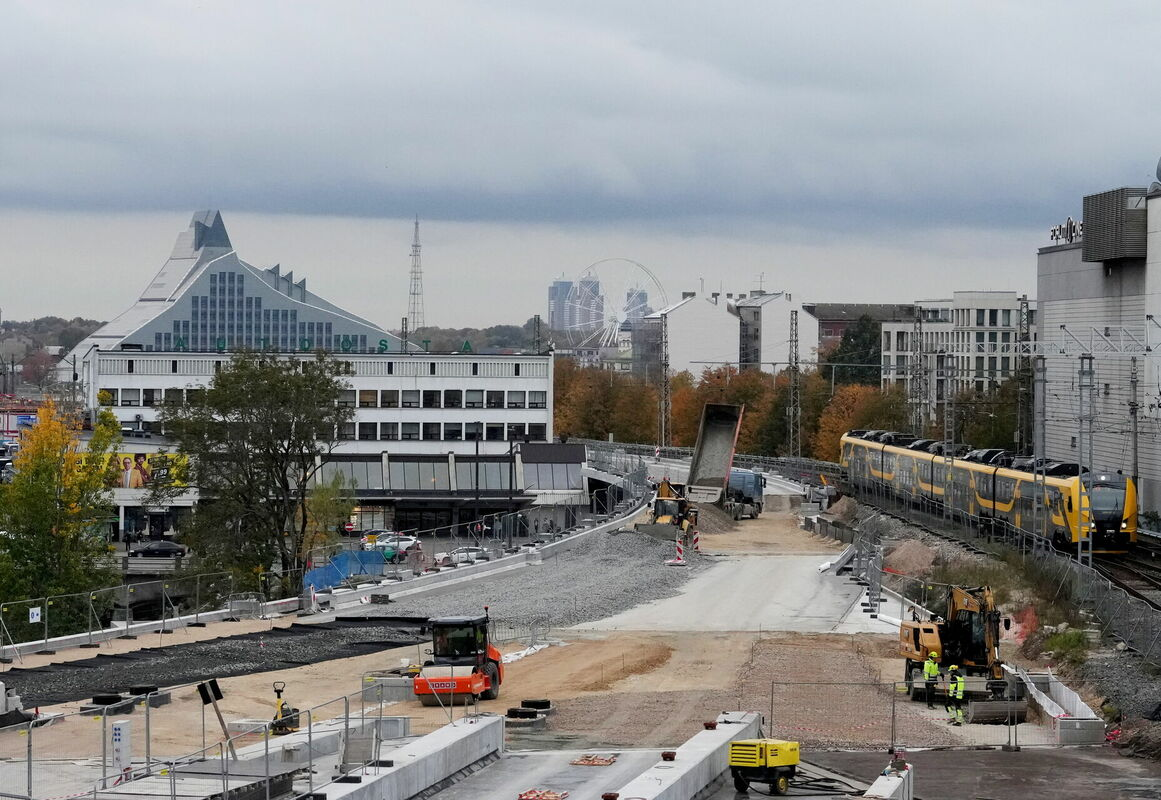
<point x="709" y="470"/>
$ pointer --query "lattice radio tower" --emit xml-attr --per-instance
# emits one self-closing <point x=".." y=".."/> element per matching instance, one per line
<point x="918" y="385"/>
<point x="665" y="406"/>
<point x="794" y="434"/>
<point x="415" y="295"/>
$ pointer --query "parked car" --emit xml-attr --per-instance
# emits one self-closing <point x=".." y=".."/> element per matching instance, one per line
<point x="461" y="555"/>
<point x="393" y="546"/>
<point x="370" y="538"/>
<point x="159" y="549"/>
<point x="897" y="439"/>
<point x="921" y="444"/>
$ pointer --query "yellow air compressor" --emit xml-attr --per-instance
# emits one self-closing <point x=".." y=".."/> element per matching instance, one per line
<point x="770" y="761"/>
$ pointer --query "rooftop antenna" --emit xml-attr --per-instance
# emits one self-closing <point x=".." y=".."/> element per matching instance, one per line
<point x="415" y="295"/>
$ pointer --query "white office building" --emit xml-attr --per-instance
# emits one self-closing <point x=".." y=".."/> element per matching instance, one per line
<point x="421" y="419"/>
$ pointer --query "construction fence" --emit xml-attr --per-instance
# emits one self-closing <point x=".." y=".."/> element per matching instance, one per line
<point x="149" y="738"/>
<point x="886" y="715"/>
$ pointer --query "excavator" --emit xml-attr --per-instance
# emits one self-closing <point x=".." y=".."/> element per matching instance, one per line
<point x="970" y="639"/>
<point x="671" y="514"/>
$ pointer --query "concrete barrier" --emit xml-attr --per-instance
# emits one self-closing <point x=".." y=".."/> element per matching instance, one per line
<point x="423" y="763"/>
<point x="699" y="762"/>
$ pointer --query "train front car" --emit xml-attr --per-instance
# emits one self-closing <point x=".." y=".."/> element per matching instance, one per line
<point x="1112" y="500"/>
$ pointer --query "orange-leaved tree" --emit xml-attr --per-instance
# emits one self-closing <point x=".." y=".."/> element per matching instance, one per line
<point x="842" y="413"/>
<point x="55" y="511"/>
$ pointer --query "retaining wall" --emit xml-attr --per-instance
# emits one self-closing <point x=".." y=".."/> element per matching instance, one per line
<point x="700" y="761"/>
<point x="427" y="761"/>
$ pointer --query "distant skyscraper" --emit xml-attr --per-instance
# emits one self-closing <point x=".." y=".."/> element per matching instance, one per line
<point x="558" y="306"/>
<point x="589" y="303"/>
<point x="637" y="304"/>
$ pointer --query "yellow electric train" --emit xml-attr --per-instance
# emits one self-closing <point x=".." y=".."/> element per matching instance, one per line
<point x="994" y="493"/>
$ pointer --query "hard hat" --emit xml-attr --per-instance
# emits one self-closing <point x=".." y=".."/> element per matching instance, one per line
<point x="933" y="654"/>
<point x="953" y="668"/>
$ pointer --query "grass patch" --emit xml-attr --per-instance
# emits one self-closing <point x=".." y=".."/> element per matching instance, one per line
<point x="1069" y="646"/>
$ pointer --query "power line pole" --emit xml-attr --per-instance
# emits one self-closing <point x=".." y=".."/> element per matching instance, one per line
<point x="666" y="404"/>
<point x="1134" y="406"/>
<point x="415" y="293"/>
<point x="794" y="437"/>
<point x="1039" y="436"/>
<point x="917" y="385"/>
<point x="404" y="334"/>
<point x="948" y="433"/>
<point x="536" y="336"/>
<point x="1024" y="398"/>
<point x="1087" y="386"/>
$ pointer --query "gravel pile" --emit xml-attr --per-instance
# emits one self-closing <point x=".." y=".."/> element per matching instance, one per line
<point x="279" y="648"/>
<point x="1122" y="680"/>
<point x="603" y="575"/>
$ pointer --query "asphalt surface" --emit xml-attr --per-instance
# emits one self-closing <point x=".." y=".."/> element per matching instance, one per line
<point x="278" y="648"/>
<point x="1071" y="773"/>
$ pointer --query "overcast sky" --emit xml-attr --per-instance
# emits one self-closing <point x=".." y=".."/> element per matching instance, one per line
<point x="873" y="152"/>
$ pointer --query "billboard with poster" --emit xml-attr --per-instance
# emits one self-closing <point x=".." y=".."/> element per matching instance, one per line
<point x="144" y="470"/>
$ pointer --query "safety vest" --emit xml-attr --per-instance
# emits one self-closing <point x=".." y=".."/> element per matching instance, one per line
<point x="930" y="670"/>
<point x="955" y="687"/>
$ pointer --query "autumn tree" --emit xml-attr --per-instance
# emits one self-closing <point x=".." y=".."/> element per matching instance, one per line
<point x="255" y="440"/>
<point x="56" y="510"/>
<point x="328" y="506"/>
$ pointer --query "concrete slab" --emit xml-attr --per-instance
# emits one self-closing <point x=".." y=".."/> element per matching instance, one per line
<point x="752" y="593"/>
<point x="516" y="772"/>
<point x="1060" y="773"/>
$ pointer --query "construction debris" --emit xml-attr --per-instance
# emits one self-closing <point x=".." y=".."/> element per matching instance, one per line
<point x="541" y="794"/>
<point x="594" y="761"/>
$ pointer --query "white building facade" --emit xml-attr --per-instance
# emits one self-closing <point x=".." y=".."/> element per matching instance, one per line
<point x="433" y="433"/>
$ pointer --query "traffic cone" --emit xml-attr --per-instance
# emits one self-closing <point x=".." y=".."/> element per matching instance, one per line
<point x="696" y="542"/>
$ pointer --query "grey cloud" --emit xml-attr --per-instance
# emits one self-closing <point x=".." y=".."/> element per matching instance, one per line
<point x="824" y="115"/>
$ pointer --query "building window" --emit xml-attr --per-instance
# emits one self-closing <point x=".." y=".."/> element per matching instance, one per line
<point x="367" y="431"/>
<point x="368" y="398"/>
<point x="347" y="430"/>
<point x="494" y="432"/>
<point x="886" y="340"/>
<point x="130" y="397"/>
<point x="389" y="431"/>
<point x="515" y="399"/>
<point x="431" y="399"/>
<point x="1007" y="317"/>
<point x="432" y="430"/>
<point x="537" y="431"/>
<point x="390" y="367"/>
<point x="453" y="431"/>
<point x="411" y="398"/>
<point x="979" y="318"/>
<point x="129" y="365"/>
<point x="431" y="368"/>
<point x="515" y="431"/>
<point x="475" y="368"/>
<point x="389" y="398"/>
<point x="347" y="398"/>
<point x="474" y="398"/>
<point x="495" y="400"/>
<point x="993" y="317"/>
<point x="471" y="431"/>
<point x="410" y="431"/>
<point x="453" y="398"/>
<point x="516" y="368"/>
<point x="150" y="397"/>
<point x="538" y="399"/>
<point x="173" y="366"/>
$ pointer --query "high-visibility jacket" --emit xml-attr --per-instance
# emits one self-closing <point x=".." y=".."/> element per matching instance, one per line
<point x="955" y="687"/>
<point x="930" y="670"/>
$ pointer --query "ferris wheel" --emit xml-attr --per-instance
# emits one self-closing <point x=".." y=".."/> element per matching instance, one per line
<point x="607" y="294"/>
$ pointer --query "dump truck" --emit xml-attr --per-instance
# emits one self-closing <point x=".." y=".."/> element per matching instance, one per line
<point x="745" y="493"/>
<point x="713" y="455"/>
<point x="671" y="515"/>
<point x="464" y="665"/>
<point x="970" y="639"/>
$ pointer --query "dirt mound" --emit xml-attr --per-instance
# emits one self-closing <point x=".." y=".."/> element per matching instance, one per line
<point x="844" y="509"/>
<point x="910" y="557"/>
<point x="711" y="519"/>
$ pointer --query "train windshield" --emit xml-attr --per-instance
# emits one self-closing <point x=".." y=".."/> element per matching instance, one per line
<point x="1107" y="498"/>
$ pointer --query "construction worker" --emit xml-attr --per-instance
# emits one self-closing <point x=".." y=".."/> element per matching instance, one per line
<point x="954" y="696"/>
<point x="930" y="676"/>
